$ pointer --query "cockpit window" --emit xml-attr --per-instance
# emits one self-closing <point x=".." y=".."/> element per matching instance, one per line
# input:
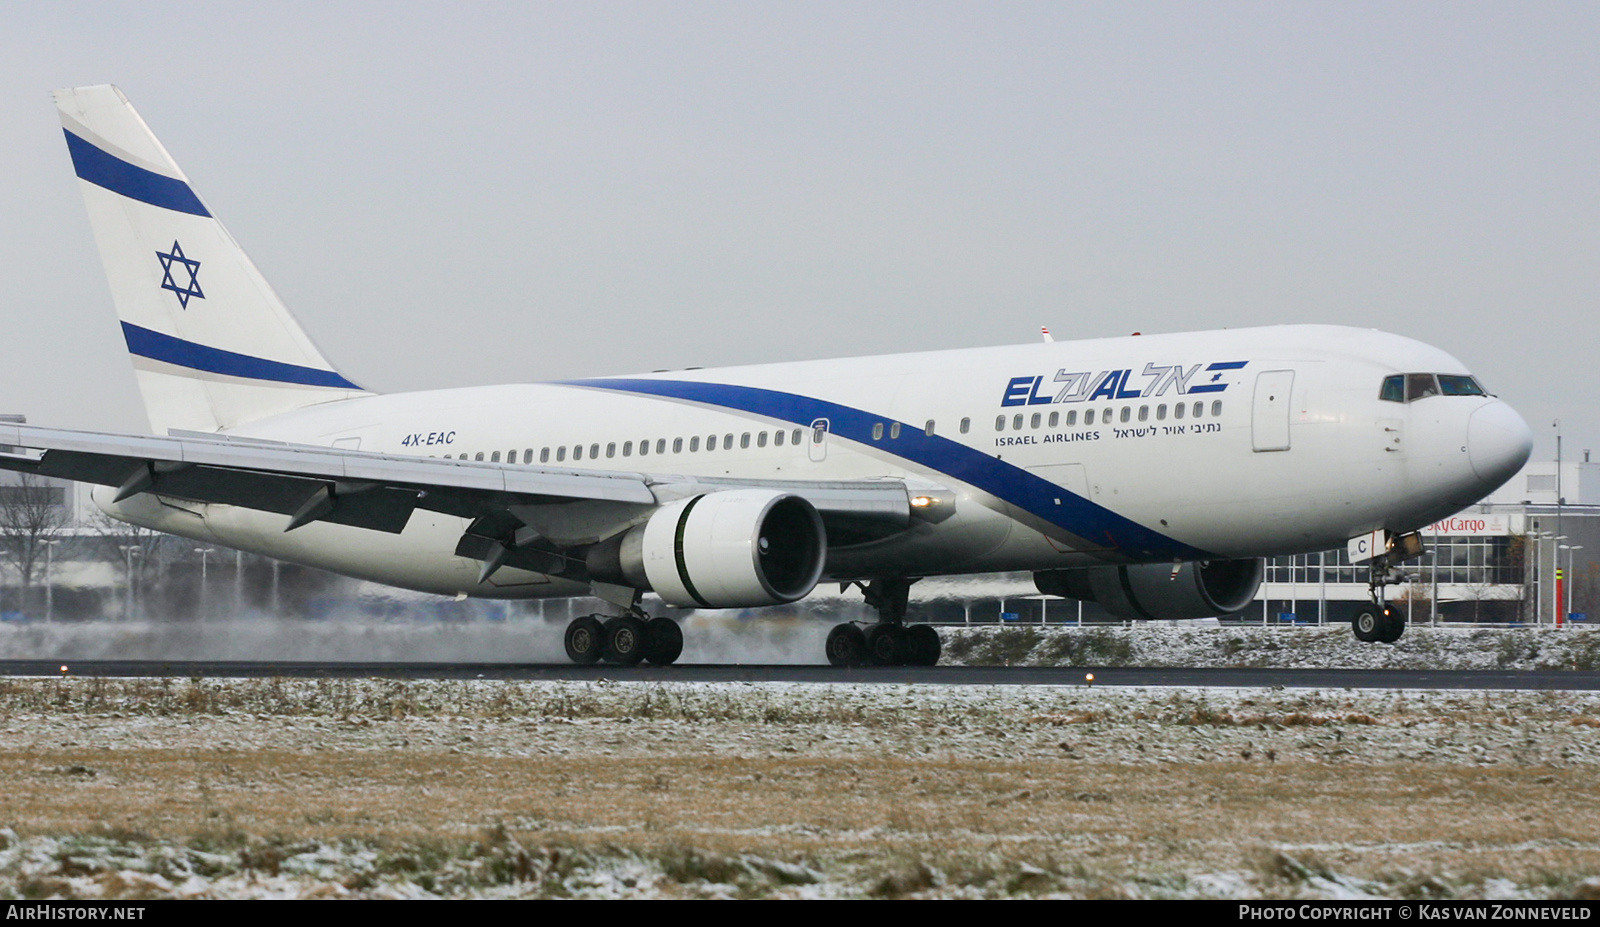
<point x="1409" y="387"/>
<point x="1420" y="386"/>
<point x="1457" y="385"/>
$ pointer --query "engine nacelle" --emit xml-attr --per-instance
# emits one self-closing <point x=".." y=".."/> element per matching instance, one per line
<point x="737" y="548"/>
<point x="1154" y="591"/>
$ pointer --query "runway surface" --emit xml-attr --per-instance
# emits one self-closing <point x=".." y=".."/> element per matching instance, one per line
<point x="1228" y="677"/>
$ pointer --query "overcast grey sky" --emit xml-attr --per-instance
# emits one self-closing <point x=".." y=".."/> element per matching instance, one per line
<point x="453" y="194"/>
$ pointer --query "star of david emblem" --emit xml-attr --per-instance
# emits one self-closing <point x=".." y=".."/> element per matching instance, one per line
<point x="192" y="288"/>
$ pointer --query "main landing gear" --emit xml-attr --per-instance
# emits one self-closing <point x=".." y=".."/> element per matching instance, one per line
<point x="626" y="639"/>
<point x="888" y="642"/>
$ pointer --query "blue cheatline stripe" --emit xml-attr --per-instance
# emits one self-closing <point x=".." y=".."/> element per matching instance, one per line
<point x="170" y="350"/>
<point x="131" y="180"/>
<point x="1003" y="480"/>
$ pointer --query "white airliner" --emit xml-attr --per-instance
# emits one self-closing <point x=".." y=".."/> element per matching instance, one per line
<point x="1149" y="474"/>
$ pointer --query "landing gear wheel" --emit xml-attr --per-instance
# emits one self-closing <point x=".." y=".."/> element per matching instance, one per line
<point x="1367" y="625"/>
<point x="1392" y="627"/>
<point x="846" y="646"/>
<point x="623" y="638"/>
<point x="583" y="639"/>
<point x="886" y="644"/>
<point x="663" y="641"/>
<point x="923" y="644"/>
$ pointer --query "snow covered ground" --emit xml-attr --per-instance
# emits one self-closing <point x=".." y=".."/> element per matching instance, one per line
<point x="385" y="788"/>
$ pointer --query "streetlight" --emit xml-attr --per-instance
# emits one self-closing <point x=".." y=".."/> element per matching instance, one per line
<point x="129" y="551"/>
<point x="49" y="587"/>
<point x="203" y="552"/>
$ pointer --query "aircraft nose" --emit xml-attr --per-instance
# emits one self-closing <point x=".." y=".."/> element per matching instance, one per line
<point x="1498" y="444"/>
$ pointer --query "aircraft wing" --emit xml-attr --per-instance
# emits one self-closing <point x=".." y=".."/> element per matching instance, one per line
<point x="380" y="492"/>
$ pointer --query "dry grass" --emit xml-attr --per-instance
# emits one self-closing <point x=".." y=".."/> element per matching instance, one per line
<point x="746" y="790"/>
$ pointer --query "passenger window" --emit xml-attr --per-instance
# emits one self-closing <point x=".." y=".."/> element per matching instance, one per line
<point x="966" y="425"/>
<point x="544" y="455"/>
<point x="479" y="455"/>
<point x="1036" y="421"/>
<point x="1394" y="389"/>
<point x="561" y="453"/>
<point x="495" y="457"/>
<point x="594" y="452"/>
<point x="694" y="444"/>
<point x="928" y="428"/>
<point x="1144" y="413"/>
<point x="1161" y="412"/>
<point x="1088" y="417"/>
<point x="611" y="449"/>
<point x="1016" y="422"/>
<point x="644" y="448"/>
<point x="1126" y="412"/>
<point x="711" y="442"/>
<point x="1199" y="407"/>
<point x="1105" y="416"/>
<point x="1055" y="419"/>
<point x="744" y="440"/>
<point x="727" y="442"/>
<point x="627" y="448"/>
<point x="761" y="438"/>
<point x="661" y="446"/>
<point x="677" y="445"/>
<point x="777" y="439"/>
<point x="577" y="452"/>
<point x="527" y="456"/>
<point x="1216" y="408"/>
<point x="1178" y="410"/>
<point x="1072" y="418"/>
<point x="1420" y="386"/>
<point x="894" y="431"/>
<point x="794" y="438"/>
<point x="1000" y="423"/>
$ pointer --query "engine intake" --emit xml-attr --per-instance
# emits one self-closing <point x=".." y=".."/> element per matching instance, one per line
<point x="1153" y="591"/>
<point x="737" y="548"/>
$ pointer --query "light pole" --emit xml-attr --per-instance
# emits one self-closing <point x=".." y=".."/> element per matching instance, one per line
<point x="49" y="587"/>
<point x="129" y="551"/>
<point x="204" y="552"/>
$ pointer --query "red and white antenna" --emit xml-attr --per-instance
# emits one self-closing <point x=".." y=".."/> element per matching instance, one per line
<point x="1045" y="331"/>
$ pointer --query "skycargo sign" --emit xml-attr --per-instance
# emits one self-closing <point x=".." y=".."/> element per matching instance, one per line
<point x="1469" y="526"/>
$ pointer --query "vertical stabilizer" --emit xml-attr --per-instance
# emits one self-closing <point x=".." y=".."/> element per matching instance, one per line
<point x="212" y="344"/>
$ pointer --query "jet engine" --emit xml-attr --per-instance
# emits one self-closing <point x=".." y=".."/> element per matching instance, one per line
<point x="1159" y="590"/>
<point x="737" y="548"/>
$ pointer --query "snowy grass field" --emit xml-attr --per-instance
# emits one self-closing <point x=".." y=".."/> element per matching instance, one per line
<point x="384" y="788"/>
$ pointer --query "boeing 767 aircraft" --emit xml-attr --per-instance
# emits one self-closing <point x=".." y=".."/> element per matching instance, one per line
<point x="1148" y="474"/>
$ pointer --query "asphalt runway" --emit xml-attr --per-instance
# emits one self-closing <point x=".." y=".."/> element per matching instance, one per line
<point x="1219" y="677"/>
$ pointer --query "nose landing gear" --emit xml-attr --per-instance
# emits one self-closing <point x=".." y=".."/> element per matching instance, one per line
<point x="1378" y="623"/>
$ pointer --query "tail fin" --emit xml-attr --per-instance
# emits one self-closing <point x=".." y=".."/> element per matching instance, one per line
<point x="212" y="344"/>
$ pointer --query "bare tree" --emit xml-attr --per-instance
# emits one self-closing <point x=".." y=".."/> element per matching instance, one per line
<point x="32" y="512"/>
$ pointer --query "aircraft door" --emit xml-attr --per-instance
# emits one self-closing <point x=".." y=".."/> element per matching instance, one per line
<point x="1269" y="416"/>
<point x="817" y="450"/>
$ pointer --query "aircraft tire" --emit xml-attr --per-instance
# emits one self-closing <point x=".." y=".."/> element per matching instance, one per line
<point x="846" y="646"/>
<point x="624" y="641"/>
<point x="1394" y="625"/>
<point x="886" y="645"/>
<point x="924" y="645"/>
<point x="663" y="641"/>
<point x="1367" y="625"/>
<point x="583" y="640"/>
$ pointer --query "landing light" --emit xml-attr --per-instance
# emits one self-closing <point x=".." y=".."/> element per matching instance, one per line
<point x="63" y="667"/>
<point x="922" y="502"/>
<point x="1088" y="679"/>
